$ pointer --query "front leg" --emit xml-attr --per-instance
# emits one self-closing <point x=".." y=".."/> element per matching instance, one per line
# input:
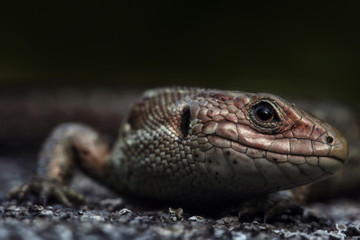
<point x="68" y="146"/>
<point x="275" y="204"/>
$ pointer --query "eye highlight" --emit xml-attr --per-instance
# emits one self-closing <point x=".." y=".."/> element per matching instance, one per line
<point x="264" y="112"/>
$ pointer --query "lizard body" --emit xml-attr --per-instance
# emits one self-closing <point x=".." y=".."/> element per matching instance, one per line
<point x="197" y="146"/>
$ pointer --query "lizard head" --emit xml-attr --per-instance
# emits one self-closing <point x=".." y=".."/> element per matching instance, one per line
<point x="260" y="141"/>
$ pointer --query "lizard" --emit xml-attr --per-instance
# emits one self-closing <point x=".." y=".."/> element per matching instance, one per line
<point x="194" y="146"/>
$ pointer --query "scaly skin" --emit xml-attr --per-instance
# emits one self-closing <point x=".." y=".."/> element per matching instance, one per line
<point x="196" y="146"/>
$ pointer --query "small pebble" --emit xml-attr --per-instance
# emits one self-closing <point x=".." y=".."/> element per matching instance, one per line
<point x="125" y="211"/>
<point x="196" y="219"/>
<point x="341" y="227"/>
<point x="46" y="213"/>
<point x="36" y="208"/>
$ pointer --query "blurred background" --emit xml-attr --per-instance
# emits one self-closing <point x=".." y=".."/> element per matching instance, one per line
<point x="83" y="61"/>
<point x="281" y="46"/>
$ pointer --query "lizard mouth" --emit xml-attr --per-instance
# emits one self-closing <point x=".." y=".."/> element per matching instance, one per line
<point x="311" y="166"/>
<point x="331" y="164"/>
<point x="230" y="159"/>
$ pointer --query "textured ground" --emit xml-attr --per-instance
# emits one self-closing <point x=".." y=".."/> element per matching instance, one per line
<point x="107" y="216"/>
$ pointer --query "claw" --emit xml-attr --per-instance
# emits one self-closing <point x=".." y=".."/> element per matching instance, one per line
<point x="18" y="192"/>
<point x="45" y="189"/>
<point x="61" y="197"/>
<point x="75" y="196"/>
<point x="23" y="191"/>
<point x="43" y="199"/>
<point x="268" y="209"/>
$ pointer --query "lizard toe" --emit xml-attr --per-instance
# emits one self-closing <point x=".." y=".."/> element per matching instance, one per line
<point x="45" y="190"/>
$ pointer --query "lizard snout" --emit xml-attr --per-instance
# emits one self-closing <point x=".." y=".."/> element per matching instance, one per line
<point x="339" y="150"/>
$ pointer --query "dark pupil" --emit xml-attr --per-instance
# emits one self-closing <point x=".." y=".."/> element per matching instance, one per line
<point x="264" y="113"/>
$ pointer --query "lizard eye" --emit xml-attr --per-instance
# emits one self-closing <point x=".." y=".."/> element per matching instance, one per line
<point x="264" y="112"/>
<point x="264" y="115"/>
<point x="185" y="122"/>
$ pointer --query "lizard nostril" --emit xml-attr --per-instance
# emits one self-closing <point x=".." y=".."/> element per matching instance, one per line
<point x="329" y="139"/>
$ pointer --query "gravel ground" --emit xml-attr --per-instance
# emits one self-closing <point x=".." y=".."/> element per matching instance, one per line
<point x="107" y="216"/>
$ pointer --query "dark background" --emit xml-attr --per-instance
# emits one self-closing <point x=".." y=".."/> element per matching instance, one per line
<point x="284" y="47"/>
<point x="66" y="61"/>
